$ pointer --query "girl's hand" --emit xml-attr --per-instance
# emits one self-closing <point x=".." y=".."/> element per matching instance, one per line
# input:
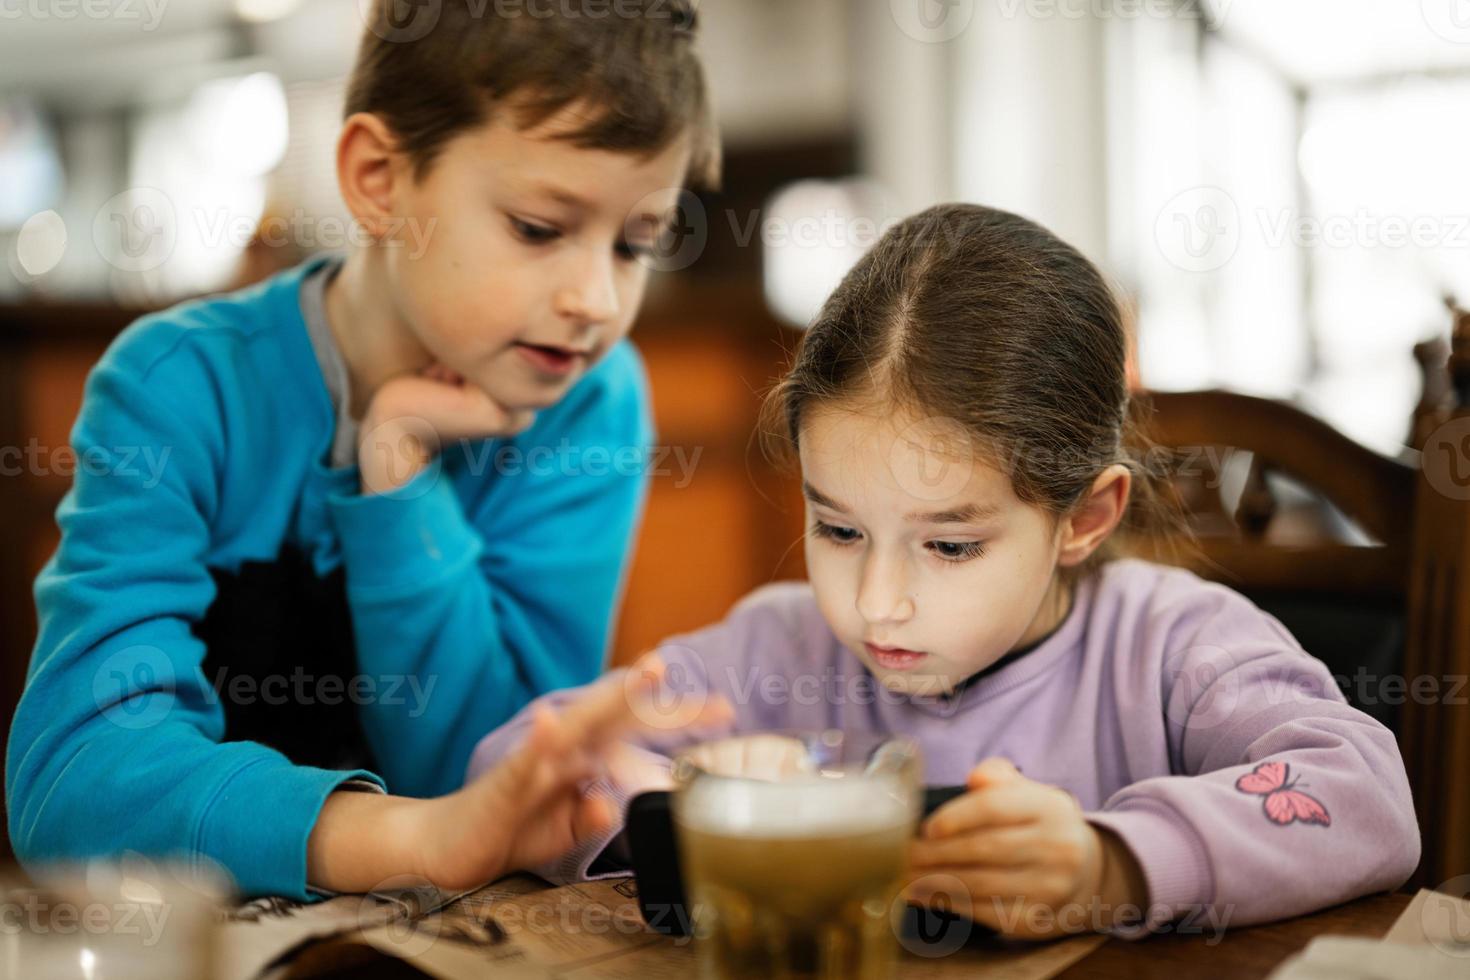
<point x="761" y="756"/>
<point x="1026" y="861"/>
<point x="412" y="416"/>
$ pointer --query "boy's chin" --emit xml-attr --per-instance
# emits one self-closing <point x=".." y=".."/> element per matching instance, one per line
<point x="527" y="396"/>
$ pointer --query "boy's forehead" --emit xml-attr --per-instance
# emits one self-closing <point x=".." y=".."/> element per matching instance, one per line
<point x="540" y="160"/>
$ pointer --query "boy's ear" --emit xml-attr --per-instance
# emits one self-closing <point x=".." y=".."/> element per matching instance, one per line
<point x="1096" y="516"/>
<point x="368" y="165"/>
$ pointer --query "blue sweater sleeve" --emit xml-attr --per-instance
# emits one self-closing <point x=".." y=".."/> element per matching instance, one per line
<point x="115" y="743"/>
<point x="476" y="602"/>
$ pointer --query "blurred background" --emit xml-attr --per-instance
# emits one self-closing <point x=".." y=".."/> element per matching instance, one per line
<point x="1276" y="186"/>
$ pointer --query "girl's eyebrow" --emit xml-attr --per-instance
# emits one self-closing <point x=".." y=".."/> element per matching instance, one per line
<point x="819" y="498"/>
<point x="968" y="514"/>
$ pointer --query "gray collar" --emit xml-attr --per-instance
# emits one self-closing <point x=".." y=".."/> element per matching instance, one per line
<point x="329" y="359"/>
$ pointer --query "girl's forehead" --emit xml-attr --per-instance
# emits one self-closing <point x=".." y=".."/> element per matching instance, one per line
<point x="900" y="457"/>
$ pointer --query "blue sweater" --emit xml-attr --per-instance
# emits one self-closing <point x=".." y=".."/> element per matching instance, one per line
<point x="203" y="440"/>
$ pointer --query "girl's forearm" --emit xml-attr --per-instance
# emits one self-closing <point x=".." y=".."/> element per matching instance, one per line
<point x="1122" y="890"/>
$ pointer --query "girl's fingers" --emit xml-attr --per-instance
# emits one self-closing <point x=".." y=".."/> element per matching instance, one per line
<point x="996" y="806"/>
<point x="959" y="887"/>
<point x="993" y="771"/>
<point x="1005" y="847"/>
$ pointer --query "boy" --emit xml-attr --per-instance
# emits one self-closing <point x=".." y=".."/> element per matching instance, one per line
<point x="352" y="567"/>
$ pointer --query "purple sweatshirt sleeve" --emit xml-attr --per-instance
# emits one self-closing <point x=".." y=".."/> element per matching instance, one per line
<point x="716" y="659"/>
<point x="1284" y="799"/>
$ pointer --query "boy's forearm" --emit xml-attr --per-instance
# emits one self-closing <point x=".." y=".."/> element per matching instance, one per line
<point x="362" y="840"/>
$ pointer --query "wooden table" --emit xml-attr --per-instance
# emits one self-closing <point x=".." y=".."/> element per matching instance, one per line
<point x="1243" y="952"/>
<point x="1253" y="951"/>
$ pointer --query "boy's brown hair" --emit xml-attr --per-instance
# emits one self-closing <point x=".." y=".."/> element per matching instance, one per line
<point x="437" y="69"/>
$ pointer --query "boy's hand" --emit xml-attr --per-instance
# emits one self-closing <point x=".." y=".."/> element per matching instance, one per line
<point x="412" y="416"/>
<point x="530" y="808"/>
<point x="1027" y="862"/>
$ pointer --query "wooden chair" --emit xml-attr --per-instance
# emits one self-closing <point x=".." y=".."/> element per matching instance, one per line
<point x="1365" y="558"/>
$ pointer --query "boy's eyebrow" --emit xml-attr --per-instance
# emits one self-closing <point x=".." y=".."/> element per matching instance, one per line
<point x="968" y="514"/>
<point x="562" y="196"/>
<point x="575" y="202"/>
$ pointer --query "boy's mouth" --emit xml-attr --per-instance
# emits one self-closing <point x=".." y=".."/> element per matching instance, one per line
<point x="895" y="658"/>
<point x="550" y="359"/>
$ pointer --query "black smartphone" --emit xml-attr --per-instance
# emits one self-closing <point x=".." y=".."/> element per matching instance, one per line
<point x="649" y="833"/>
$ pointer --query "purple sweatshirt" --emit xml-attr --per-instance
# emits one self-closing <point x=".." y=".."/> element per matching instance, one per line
<point x="1182" y="717"/>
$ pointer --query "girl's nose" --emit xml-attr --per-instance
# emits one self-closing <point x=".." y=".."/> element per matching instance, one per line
<point x="883" y="593"/>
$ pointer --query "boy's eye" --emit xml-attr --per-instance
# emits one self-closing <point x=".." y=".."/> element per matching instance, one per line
<point x="957" y="550"/>
<point x="629" y="251"/>
<point x="532" y="233"/>
<point x="835" y="533"/>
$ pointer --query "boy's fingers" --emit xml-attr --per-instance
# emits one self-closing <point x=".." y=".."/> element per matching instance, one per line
<point x="539" y="768"/>
<point x="517" y="422"/>
<point x="594" y="815"/>
<point x="622" y="701"/>
<point x="996" y="806"/>
<point x="588" y="719"/>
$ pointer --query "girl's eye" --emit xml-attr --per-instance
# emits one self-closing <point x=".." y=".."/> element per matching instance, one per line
<point x="835" y="533"/>
<point x="532" y="233"/>
<point x="957" y="550"/>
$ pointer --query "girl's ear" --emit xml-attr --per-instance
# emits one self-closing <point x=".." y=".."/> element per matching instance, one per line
<point x="1088" y="526"/>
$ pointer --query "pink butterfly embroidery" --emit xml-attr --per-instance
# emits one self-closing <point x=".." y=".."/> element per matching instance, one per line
<point x="1282" y="803"/>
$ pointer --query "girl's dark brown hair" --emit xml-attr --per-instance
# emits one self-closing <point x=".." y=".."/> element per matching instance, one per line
<point x="433" y="71"/>
<point x="969" y="313"/>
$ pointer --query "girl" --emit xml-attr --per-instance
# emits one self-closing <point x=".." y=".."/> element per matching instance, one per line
<point x="1138" y="744"/>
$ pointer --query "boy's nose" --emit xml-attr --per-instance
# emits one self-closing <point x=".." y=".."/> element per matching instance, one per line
<point x="590" y="296"/>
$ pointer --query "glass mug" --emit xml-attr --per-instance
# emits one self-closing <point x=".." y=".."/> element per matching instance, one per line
<point x="794" y="849"/>
<point x="123" y="919"/>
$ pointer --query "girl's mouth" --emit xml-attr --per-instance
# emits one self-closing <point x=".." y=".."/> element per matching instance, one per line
<point x="549" y="359"/>
<point x="895" y="658"/>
